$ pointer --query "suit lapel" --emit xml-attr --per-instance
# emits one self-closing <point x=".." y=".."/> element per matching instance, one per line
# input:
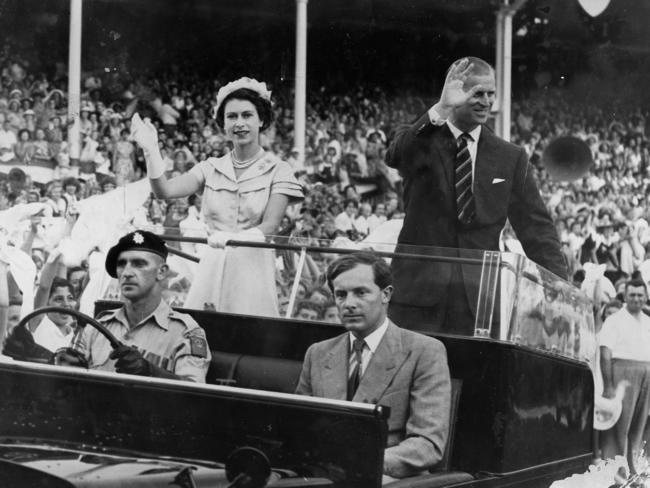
<point x="487" y="167"/>
<point x="335" y="369"/>
<point x="383" y="366"/>
<point x="445" y="145"/>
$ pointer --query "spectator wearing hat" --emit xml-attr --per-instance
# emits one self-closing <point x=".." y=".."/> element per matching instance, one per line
<point x="85" y="124"/>
<point x="29" y="120"/>
<point x="14" y="115"/>
<point x="114" y="127"/>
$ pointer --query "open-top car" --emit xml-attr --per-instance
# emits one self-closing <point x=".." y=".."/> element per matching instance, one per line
<point x="522" y="398"/>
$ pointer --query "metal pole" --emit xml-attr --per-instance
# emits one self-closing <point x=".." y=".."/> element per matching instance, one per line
<point x="74" y="78"/>
<point x="507" y="74"/>
<point x="498" y="126"/>
<point x="300" y="102"/>
<point x="296" y="283"/>
<point x="504" y="66"/>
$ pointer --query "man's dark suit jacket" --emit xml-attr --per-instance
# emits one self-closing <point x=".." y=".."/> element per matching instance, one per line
<point x="504" y="188"/>
<point x="409" y="374"/>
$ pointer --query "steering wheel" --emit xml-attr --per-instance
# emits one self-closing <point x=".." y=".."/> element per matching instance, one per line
<point x="82" y="320"/>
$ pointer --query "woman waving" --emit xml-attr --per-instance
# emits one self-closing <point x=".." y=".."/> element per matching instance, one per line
<point x="245" y="195"/>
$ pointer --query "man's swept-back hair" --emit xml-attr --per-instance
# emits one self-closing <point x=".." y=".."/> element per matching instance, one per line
<point x="479" y="68"/>
<point x="636" y="283"/>
<point x="380" y="268"/>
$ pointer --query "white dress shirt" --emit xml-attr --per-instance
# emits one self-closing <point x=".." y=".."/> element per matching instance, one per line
<point x="475" y="133"/>
<point x="372" y="342"/>
<point x="628" y="337"/>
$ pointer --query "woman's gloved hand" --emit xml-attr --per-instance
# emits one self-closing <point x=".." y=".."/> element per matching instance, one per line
<point x="144" y="133"/>
<point x="219" y="238"/>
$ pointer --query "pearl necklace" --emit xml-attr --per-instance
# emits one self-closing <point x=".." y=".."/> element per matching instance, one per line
<point x="247" y="162"/>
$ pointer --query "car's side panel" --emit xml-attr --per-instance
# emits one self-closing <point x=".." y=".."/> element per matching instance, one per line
<point x="316" y="437"/>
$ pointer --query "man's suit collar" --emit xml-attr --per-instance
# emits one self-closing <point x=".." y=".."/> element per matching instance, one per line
<point x="445" y="145"/>
<point x="383" y="366"/>
<point x="335" y="369"/>
<point x="475" y="133"/>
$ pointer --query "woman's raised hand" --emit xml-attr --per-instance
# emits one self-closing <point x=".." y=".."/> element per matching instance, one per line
<point x="144" y="133"/>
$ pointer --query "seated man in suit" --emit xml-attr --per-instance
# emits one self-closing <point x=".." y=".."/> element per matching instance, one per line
<point x="376" y="361"/>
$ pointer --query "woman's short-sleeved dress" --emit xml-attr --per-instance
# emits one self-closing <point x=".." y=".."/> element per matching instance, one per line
<point x="239" y="280"/>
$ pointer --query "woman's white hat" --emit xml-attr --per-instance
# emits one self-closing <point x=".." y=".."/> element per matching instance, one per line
<point x="244" y="82"/>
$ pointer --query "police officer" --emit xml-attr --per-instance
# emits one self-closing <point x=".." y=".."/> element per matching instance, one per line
<point x="157" y="341"/>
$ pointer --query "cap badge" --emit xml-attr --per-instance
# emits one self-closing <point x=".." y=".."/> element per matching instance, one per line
<point x="137" y="238"/>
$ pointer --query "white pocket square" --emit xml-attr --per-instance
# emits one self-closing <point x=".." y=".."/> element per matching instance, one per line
<point x="497" y="180"/>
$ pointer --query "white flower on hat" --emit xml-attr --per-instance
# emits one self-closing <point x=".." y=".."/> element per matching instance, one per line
<point x="244" y="82"/>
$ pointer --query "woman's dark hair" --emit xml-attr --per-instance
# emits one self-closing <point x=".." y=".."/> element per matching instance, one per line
<point x="380" y="268"/>
<point x="20" y="133"/>
<point x="263" y="106"/>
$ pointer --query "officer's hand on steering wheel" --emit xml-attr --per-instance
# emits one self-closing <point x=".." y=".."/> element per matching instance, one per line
<point x="130" y="361"/>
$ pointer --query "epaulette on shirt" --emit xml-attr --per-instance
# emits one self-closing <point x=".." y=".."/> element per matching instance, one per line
<point x="185" y="318"/>
<point x="106" y="313"/>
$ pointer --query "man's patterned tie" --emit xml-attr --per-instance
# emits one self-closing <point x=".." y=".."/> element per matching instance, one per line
<point x="355" y="367"/>
<point x="465" y="209"/>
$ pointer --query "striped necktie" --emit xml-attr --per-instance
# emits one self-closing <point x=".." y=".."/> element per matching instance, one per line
<point x="465" y="209"/>
<point x="355" y="367"/>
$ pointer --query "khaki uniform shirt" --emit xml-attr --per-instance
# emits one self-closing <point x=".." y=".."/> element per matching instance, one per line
<point x="167" y="338"/>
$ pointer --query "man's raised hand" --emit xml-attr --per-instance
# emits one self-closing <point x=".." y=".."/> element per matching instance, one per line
<point x="453" y="93"/>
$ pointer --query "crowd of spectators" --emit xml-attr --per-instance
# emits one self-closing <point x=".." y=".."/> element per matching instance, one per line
<point x="601" y="218"/>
